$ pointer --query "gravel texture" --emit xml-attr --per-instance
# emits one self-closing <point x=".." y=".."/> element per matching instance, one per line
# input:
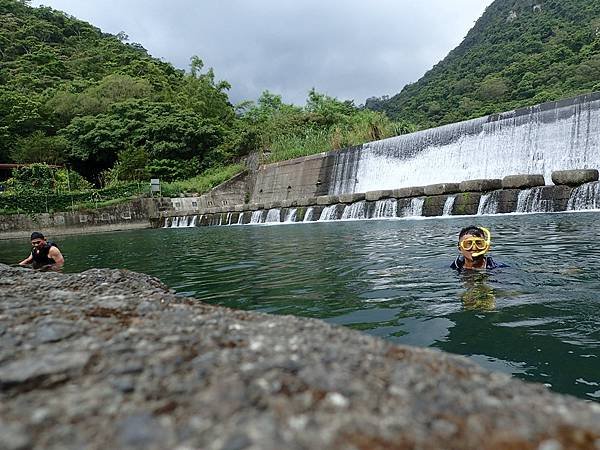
<point x="114" y="359"/>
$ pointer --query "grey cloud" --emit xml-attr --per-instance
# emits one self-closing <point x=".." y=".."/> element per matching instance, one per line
<point x="350" y="49"/>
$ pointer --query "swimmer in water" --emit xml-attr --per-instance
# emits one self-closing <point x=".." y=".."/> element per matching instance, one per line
<point x="473" y="244"/>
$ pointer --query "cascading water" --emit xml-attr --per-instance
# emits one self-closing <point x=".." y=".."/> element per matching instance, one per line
<point x="328" y="213"/>
<point x="355" y="211"/>
<point x="166" y="225"/>
<point x="291" y="215"/>
<point x="586" y="196"/>
<point x="540" y="139"/>
<point x="228" y="219"/>
<point x="273" y="216"/>
<point x="448" y="205"/>
<point x="385" y="208"/>
<point x="413" y="209"/>
<point x="241" y="218"/>
<point x="530" y="200"/>
<point x="193" y="223"/>
<point x="308" y="217"/>
<point x="256" y="217"/>
<point x="488" y="203"/>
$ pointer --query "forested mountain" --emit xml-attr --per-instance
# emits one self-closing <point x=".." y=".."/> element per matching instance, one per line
<point x="520" y="52"/>
<point x="71" y="94"/>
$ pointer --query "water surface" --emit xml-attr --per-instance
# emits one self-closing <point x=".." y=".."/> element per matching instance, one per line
<point x="538" y="319"/>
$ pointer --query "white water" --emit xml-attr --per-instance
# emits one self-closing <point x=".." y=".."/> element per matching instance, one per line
<point x="385" y="208"/>
<point x="329" y="213"/>
<point x="488" y="203"/>
<point x="540" y="139"/>
<point x="308" y="217"/>
<point x="448" y="205"/>
<point x="355" y="211"/>
<point x="256" y="217"/>
<point x="586" y="196"/>
<point x="273" y="216"/>
<point x="530" y="200"/>
<point x="291" y="215"/>
<point x="240" y="219"/>
<point x="414" y="209"/>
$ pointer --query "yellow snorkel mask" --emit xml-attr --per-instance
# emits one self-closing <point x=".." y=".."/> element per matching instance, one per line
<point x="480" y="246"/>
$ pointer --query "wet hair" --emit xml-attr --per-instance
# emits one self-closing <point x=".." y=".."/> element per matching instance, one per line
<point x="36" y="235"/>
<point x="472" y="230"/>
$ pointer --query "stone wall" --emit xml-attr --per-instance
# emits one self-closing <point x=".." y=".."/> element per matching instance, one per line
<point x="110" y="359"/>
<point x="135" y="214"/>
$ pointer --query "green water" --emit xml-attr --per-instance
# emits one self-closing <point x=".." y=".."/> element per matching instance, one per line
<point x="538" y="319"/>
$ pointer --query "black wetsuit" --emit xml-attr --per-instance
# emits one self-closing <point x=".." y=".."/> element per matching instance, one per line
<point x="40" y="255"/>
<point x="490" y="263"/>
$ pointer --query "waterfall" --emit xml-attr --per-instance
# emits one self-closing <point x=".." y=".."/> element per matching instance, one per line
<point x="488" y="203"/>
<point x="414" y="208"/>
<point x="586" y="196"/>
<point x="193" y="223"/>
<point x="530" y="200"/>
<point x="308" y="216"/>
<point x="356" y="210"/>
<point x="256" y="216"/>
<point x="448" y="205"/>
<point x="329" y="213"/>
<point x="175" y="222"/>
<point x="241" y="218"/>
<point x="228" y="218"/>
<point x="540" y="139"/>
<point x="385" y="208"/>
<point x="273" y="216"/>
<point x="166" y="225"/>
<point x="291" y="215"/>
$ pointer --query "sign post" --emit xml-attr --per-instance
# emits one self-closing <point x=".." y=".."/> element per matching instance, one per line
<point x="155" y="187"/>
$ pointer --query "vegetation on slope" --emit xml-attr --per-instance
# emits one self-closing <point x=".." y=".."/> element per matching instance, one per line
<point x="75" y="96"/>
<point x="519" y="53"/>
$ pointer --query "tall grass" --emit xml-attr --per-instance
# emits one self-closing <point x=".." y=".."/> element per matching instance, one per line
<point x="203" y="182"/>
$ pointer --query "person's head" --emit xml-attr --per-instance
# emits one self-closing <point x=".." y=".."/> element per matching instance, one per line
<point x="474" y="242"/>
<point x="37" y="239"/>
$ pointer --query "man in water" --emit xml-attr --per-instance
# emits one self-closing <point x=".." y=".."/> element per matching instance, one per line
<point x="473" y="243"/>
<point x="44" y="255"/>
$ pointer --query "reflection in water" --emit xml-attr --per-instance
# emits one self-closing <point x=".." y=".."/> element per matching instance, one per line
<point x="537" y="319"/>
<point x="478" y="294"/>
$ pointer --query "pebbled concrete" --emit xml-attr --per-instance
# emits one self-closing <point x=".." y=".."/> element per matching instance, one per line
<point x="114" y="359"/>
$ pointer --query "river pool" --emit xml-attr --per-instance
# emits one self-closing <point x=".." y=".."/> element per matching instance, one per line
<point x="538" y="320"/>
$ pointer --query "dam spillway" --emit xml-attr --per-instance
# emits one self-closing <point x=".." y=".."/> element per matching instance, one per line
<point x="539" y="139"/>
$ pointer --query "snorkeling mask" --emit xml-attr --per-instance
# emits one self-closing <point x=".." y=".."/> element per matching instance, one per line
<point x="480" y="245"/>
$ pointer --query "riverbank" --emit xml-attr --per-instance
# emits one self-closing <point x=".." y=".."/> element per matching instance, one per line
<point x="113" y="359"/>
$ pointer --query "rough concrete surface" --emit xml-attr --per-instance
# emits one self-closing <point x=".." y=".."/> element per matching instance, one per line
<point x="113" y="359"/>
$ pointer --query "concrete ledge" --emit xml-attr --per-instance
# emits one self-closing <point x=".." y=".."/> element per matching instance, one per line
<point x="466" y="203"/>
<point x="522" y="181"/>
<point x="434" y="206"/>
<point x="574" y="177"/>
<point x="118" y="361"/>
<point x="483" y="185"/>
<point x="415" y="191"/>
<point x="441" y="188"/>
<point x="273" y="205"/>
<point x="373" y="196"/>
<point x="352" y="198"/>
<point x="328" y="200"/>
<point x="239" y="208"/>
<point x="309" y="201"/>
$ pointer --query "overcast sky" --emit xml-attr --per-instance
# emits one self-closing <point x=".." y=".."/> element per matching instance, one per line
<point x="350" y="49"/>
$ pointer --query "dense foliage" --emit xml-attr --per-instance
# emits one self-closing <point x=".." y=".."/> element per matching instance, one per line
<point x="520" y="52"/>
<point x="75" y="96"/>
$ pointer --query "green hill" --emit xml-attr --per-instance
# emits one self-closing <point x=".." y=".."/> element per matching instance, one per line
<point x="520" y="52"/>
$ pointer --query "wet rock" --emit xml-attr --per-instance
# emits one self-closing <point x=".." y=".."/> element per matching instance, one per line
<point x="373" y="196"/>
<point x="352" y="198"/>
<point x="484" y="185"/>
<point x="54" y="330"/>
<point x="415" y="191"/>
<point x="441" y="189"/>
<point x="327" y="200"/>
<point x="522" y="181"/>
<point x="574" y="177"/>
